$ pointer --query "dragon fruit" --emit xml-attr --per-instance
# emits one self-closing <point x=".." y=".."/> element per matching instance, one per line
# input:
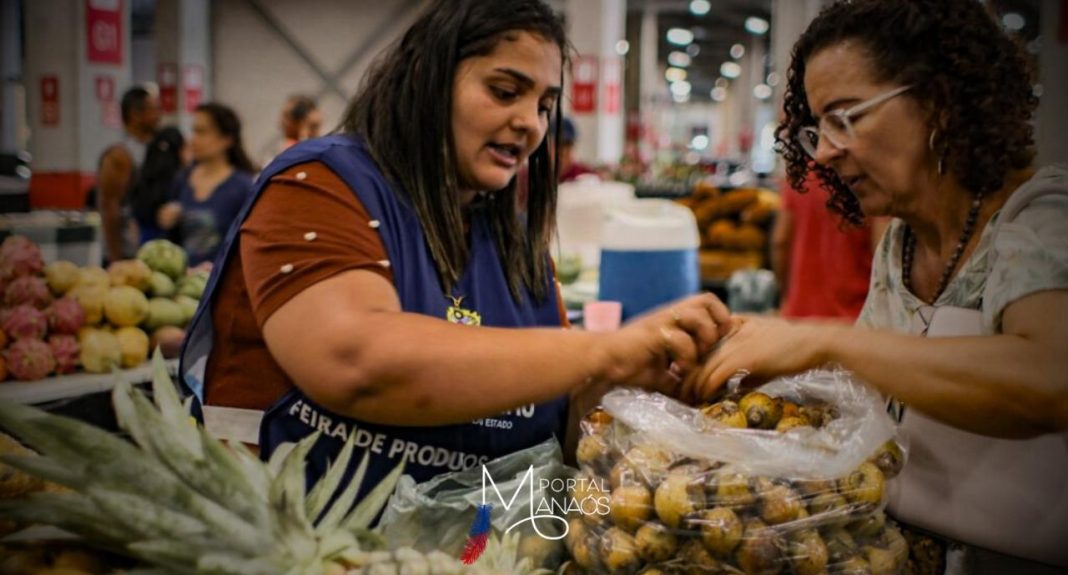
<point x="30" y="359"/>
<point x="66" y="316"/>
<point x="20" y="257"/>
<point x="65" y="350"/>
<point x="25" y="322"/>
<point x="28" y="290"/>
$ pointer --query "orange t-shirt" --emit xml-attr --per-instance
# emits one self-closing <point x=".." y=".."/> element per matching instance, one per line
<point x="305" y="198"/>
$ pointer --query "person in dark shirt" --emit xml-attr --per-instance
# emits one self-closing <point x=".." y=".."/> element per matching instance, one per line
<point x="208" y="197"/>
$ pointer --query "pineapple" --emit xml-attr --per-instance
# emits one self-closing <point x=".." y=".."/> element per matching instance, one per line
<point x="182" y="502"/>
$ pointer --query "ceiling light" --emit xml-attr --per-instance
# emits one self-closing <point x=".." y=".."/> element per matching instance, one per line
<point x="1013" y="22"/>
<point x="622" y="47"/>
<point x="700" y="7"/>
<point x="719" y="94"/>
<point x="675" y="75"/>
<point x="680" y="59"/>
<point x="682" y="88"/>
<point x="762" y="91"/>
<point x="730" y="70"/>
<point x="699" y="142"/>
<point x="680" y="36"/>
<point x="737" y="51"/>
<point x="757" y="26"/>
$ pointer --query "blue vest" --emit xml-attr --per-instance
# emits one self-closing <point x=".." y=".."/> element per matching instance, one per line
<point x="482" y="297"/>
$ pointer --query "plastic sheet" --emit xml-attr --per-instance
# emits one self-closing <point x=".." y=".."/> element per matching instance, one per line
<point x="790" y="478"/>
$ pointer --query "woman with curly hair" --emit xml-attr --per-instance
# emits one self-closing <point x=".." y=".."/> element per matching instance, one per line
<point x="921" y="110"/>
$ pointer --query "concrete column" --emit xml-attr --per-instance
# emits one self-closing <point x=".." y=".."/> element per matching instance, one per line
<point x="595" y="27"/>
<point x="77" y="67"/>
<point x="789" y="19"/>
<point x="12" y="122"/>
<point x="652" y="81"/>
<point x="1052" y="117"/>
<point x="183" y="58"/>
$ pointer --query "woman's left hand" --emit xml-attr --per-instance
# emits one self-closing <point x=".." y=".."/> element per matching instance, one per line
<point x="764" y="348"/>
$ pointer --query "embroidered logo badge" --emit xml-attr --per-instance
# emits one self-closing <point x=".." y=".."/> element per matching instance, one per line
<point x="457" y="314"/>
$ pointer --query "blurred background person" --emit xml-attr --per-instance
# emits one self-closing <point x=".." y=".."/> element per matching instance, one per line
<point x="118" y="169"/>
<point x="209" y="196"/>
<point x="570" y="168"/>
<point x="821" y="263"/>
<point x="301" y="119"/>
<point x="165" y="158"/>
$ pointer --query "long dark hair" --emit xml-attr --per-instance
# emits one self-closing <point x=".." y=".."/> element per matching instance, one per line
<point x="228" y="124"/>
<point x="163" y="161"/>
<point x="403" y="111"/>
<point x="972" y="79"/>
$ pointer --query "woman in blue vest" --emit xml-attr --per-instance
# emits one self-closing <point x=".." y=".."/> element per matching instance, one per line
<point x="445" y="350"/>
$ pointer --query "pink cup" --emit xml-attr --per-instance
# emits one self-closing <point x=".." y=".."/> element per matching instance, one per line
<point x="602" y="315"/>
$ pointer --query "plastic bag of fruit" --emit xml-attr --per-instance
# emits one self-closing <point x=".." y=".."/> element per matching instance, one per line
<point x="789" y="478"/>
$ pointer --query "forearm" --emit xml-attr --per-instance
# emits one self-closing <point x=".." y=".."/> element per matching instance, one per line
<point x="414" y="370"/>
<point x="1003" y="386"/>
<point x="111" y="225"/>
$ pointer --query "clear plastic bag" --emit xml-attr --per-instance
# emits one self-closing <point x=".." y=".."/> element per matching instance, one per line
<point x="438" y="514"/>
<point x="789" y="478"/>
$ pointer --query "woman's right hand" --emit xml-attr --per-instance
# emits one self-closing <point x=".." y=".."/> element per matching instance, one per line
<point x="660" y="349"/>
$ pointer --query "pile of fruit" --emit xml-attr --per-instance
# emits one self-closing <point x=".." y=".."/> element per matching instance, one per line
<point x="58" y="318"/>
<point x="733" y="227"/>
<point x="645" y="509"/>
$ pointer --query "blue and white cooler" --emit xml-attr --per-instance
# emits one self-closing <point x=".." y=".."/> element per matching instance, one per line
<point x="648" y="255"/>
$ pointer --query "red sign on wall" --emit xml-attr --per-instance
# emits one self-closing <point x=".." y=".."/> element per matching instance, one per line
<point x="193" y="84"/>
<point x="50" y="100"/>
<point x="613" y="78"/>
<point x="105" y="88"/>
<point x="103" y="20"/>
<point x="167" y="77"/>
<point x="584" y="85"/>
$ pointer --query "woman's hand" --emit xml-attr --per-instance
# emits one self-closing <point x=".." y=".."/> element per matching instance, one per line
<point x="169" y="214"/>
<point x="659" y="350"/>
<point x="765" y="348"/>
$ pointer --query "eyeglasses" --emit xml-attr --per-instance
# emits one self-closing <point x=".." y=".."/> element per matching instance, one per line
<point x="837" y="126"/>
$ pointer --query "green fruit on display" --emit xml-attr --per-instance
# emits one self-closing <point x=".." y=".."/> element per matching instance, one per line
<point x="164" y="256"/>
<point x="161" y="285"/>
<point x="193" y="285"/>
<point x="164" y="312"/>
<point x="189" y="307"/>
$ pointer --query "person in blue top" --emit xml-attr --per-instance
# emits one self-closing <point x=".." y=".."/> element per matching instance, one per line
<point x="381" y="285"/>
<point x="209" y="197"/>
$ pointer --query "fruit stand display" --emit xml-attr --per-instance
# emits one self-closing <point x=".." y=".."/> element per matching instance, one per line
<point x="734" y="227"/>
<point x="176" y="500"/>
<point x="788" y="479"/>
<point x="61" y="320"/>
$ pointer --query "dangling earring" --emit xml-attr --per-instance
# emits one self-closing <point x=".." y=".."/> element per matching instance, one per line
<point x="941" y="157"/>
